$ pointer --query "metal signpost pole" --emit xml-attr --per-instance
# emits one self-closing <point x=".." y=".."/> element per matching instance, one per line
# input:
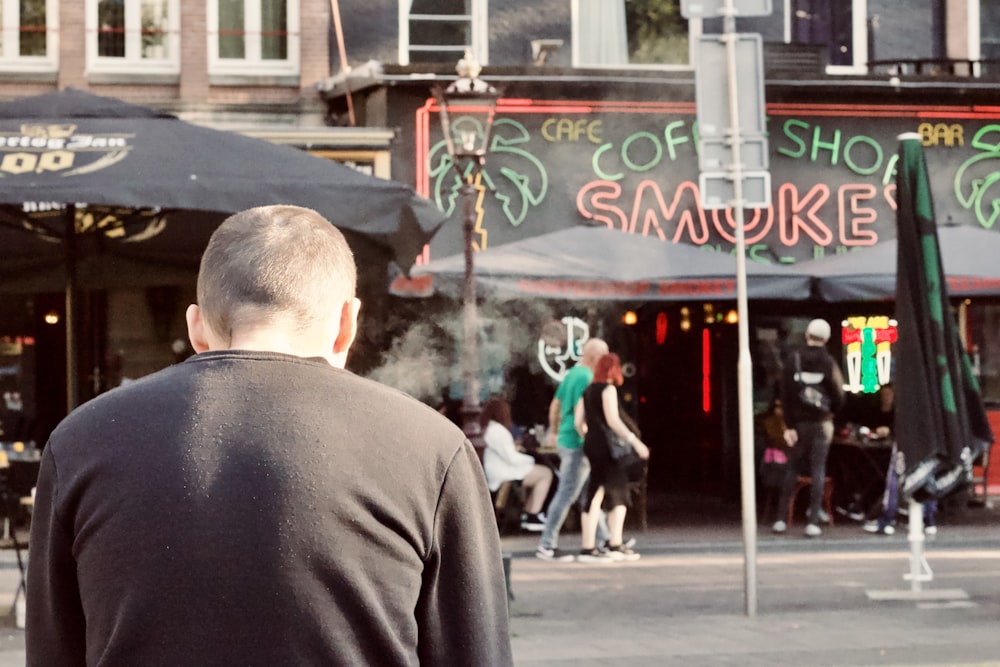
<point x="744" y="365"/>
<point x="733" y="165"/>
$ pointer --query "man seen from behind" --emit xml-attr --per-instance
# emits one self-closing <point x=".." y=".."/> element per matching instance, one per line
<point x="257" y="504"/>
<point x="812" y="391"/>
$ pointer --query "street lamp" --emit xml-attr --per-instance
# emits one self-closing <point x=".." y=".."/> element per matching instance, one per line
<point x="467" y="108"/>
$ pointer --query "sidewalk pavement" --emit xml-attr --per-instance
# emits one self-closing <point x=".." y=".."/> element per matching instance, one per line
<point x="684" y="602"/>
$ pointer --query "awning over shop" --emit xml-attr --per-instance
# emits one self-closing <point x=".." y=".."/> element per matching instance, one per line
<point x="969" y="255"/>
<point x="597" y="263"/>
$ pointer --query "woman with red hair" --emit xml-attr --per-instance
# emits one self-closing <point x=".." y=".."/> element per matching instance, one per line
<point x="596" y="412"/>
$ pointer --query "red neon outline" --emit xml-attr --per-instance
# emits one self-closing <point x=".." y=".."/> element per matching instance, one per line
<point x="706" y="371"/>
<point x="530" y="106"/>
<point x="521" y="105"/>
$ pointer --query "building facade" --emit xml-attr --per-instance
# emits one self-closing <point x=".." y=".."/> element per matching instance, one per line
<point x="598" y="125"/>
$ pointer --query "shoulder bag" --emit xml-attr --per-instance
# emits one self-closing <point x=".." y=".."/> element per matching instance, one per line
<point x="619" y="447"/>
<point x="810" y="395"/>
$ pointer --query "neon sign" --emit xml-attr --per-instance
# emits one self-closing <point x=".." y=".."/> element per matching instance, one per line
<point x="556" y="354"/>
<point x="868" y="354"/>
<point x="627" y="164"/>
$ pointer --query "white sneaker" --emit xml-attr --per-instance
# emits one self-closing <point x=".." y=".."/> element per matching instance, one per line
<point x="930" y="530"/>
<point x="779" y="527"/>
<point x="823" y="517"/>
<point x="812" y="530"/>
<point x="558" y="555"/>
<point x="622" y="553"/>
<point x="874" y="527"/>
<point x="593" y="556"/>
<point x="630" y="542"/>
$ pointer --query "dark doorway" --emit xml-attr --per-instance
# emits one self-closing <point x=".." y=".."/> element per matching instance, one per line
<point x="685" y="356"/>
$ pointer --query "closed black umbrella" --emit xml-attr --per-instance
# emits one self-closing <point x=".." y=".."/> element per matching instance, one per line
<point x="941" y="425"/>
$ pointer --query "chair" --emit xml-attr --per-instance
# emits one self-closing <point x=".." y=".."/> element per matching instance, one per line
<point x="12" y="506"/>
<point x="638" y="489"/>
<point x="981" y="480"/>
<point x="507" y="502"/>
<point x="801" y="483"/>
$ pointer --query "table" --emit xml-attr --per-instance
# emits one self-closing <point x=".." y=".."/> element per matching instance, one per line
<point x="858" y="467"/>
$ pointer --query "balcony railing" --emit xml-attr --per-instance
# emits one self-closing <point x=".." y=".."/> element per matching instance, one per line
<point x="987" y="69"/>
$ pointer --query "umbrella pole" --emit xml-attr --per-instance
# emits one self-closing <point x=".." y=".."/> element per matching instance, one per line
<point x="72" y="396"/>
<point x="920" y="569"/>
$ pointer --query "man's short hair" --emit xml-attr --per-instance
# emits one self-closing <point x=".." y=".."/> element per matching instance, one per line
<point x="271" y="265"/>
<point x="594" y="349"/>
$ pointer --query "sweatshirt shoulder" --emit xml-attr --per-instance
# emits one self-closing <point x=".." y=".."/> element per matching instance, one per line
<point x="393" y="409"/>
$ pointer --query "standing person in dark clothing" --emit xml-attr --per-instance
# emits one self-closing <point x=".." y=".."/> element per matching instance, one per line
<point x="812" y="391"/>
<point x="607" y="488"/>
<point x="257" y="504"/>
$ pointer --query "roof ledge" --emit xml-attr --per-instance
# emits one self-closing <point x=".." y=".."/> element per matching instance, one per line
<point x="368" y="75"/>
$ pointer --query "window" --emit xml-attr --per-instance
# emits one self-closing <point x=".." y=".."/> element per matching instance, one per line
<point x="982" y="338"/>
<point x="133" y="36"/>
<point x="253" y="37"/>
<point x="633" y="33"/>
<point x="439" y="31"/>
<point x="839" y="24"/>
<point x="28" y="39"/>
<point x="989" y="30"/>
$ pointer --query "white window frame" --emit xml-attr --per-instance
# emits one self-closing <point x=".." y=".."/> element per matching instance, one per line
<point x="479" y="30"/>
<point x="133" y="62"/>
<point x="974" y="30"/>
<point x="11" y="59"/>
<point x="694" y="32"/>
<point x="253" y="64"/>
<point x="859" y="38"/>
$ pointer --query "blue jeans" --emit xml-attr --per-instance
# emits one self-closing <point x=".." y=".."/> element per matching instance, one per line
<point x="813" y="446"/>
<point x="890" y="497"/>
<point x="574" y="470"/>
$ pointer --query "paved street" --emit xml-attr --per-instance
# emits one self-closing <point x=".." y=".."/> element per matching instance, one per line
<point x="11" y="639"/>
<point x="683" y="604"/>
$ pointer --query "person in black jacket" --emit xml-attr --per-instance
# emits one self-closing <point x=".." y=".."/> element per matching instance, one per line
<point x="812" y="391"/>
<point x="257" y="504"/>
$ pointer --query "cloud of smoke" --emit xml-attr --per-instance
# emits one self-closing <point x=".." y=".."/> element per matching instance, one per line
<point x="425" y="360"/>
<point x="418" y="362"/>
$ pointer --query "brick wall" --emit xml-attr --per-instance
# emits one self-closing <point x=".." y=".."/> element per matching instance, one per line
<point x="193" y="91"/>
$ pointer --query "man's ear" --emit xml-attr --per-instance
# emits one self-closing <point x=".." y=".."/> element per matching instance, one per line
<point x="196" y="326"/>
<point x="348" y="327"/>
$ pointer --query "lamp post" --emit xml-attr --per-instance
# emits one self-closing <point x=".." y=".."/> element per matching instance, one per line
<point x="467" y="109"/>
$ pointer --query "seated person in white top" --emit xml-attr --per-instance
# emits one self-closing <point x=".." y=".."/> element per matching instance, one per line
<point x="502" y="462"/>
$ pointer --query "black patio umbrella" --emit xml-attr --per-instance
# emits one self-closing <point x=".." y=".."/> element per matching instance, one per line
<point x="941" y="425"/>
<point x="597" y="263"/>
<point x="96" y="192"/>
<point x="142" y="191"/>
<point x="968" y="255"/>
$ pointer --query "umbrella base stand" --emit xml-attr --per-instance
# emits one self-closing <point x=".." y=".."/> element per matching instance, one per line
<point x="920" y="570"/>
